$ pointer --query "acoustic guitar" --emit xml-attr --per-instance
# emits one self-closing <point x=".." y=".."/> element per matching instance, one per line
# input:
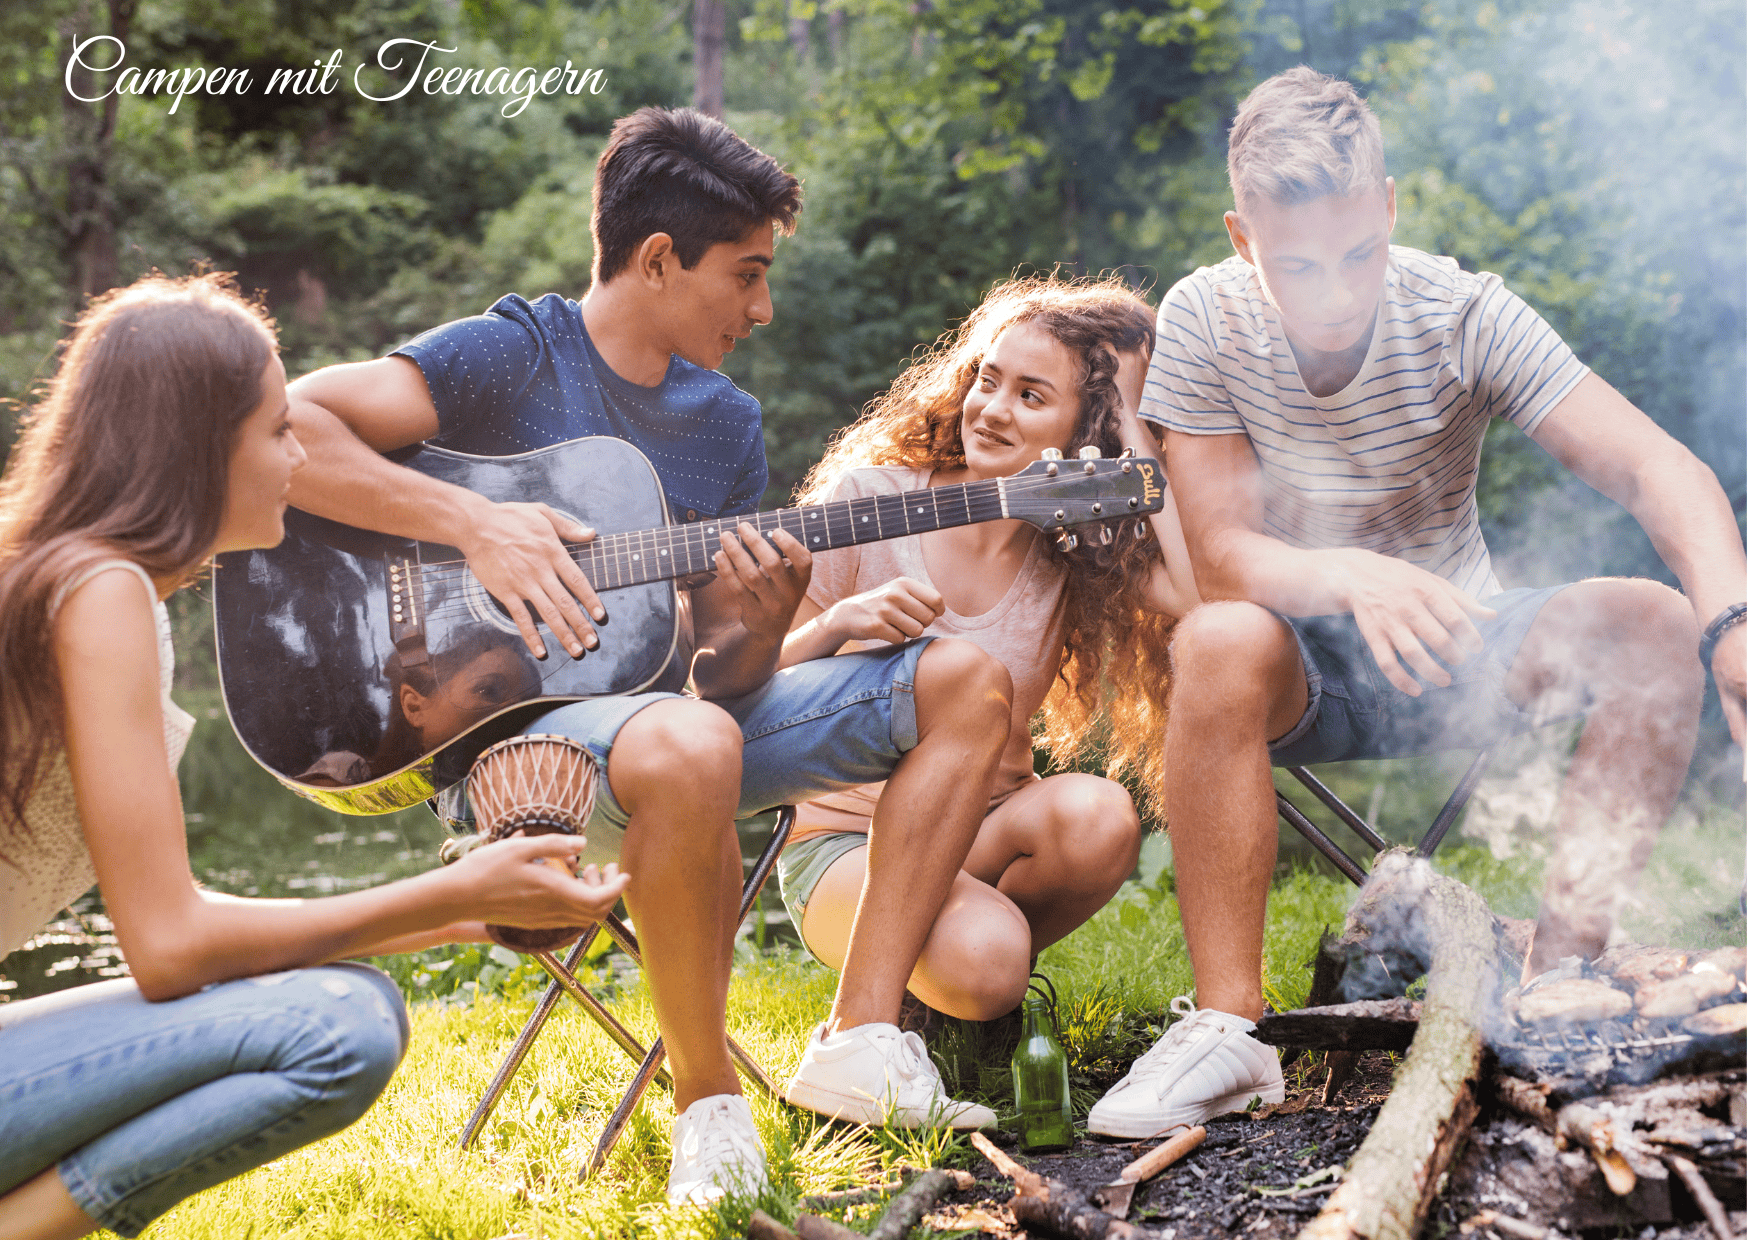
<point x="367" y="672"/>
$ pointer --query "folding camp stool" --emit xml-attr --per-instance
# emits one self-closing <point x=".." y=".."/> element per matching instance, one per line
<point x="650" y="1061"/>
<point x="1435" y="834"/>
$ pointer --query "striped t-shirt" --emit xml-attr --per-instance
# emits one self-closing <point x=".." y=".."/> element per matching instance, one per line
<point x="1388" y="463"/>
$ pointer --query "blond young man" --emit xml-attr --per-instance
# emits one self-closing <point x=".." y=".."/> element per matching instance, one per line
<point x="1323" y="396"/>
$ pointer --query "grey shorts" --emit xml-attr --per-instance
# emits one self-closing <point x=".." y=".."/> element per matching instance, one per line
<point x="1353" y="712"/>
<point x="820" y="726"/>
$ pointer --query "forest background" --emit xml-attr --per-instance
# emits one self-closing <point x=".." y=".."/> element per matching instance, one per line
<point x="1589" y="151"/>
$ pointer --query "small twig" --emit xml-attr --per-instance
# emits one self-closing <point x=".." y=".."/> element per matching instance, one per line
<point x="963" y="1181"/>
<point x="1702" y="1193"/>
<point x="813" y="1227"/>
<point x="1028" y="1181"/>
<point x="909" y="1206"/>
<point x="1506" y="1225"/>
<point x="762" y="1226"/>
<point x="850" y="1196"/>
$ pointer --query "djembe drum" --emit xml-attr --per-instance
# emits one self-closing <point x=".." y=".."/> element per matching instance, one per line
<point x="531" y="785"/>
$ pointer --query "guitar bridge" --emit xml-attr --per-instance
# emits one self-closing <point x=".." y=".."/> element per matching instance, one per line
<point x="406" y="603"/>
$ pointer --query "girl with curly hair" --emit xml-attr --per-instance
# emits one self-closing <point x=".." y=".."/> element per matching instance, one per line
<point x="1044" y="362"/>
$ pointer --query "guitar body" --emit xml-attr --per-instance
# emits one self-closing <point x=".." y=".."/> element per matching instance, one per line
<point x="328" y="692"/>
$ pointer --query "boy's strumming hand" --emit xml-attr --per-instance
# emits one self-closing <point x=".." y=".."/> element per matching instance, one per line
<point x="517" y="551"/>
<point x="768" y="581"/>
<point x="1405" y="612"/>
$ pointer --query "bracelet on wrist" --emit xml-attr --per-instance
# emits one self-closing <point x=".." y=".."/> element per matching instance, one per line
<point x="1726" y="620"/>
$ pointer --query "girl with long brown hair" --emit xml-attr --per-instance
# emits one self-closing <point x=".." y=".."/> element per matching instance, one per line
<point x="1041" y="363"/>
<point x="164" y="438"/>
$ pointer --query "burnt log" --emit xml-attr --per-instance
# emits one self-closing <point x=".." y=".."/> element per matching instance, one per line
<point x="1369" y="1025"/>
<point x="1395" y="1174"/>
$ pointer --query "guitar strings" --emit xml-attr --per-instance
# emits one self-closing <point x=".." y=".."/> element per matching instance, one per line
<point x="436" y="574"/>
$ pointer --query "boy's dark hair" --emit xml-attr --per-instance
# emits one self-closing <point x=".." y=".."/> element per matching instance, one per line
<point x="680" y="172"/>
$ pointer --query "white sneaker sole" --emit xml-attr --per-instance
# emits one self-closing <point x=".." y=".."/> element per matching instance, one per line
<point x="1137" y="1127"/>
<point x="858" y="1109"/>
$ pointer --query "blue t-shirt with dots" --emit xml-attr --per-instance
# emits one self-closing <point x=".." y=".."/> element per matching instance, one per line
<point x="525" y="375"/>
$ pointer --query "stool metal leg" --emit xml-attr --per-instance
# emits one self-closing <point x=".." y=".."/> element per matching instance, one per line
<point x="619" y="1033"/>
<point x="1328" y="847"/>
<point x="1435" y="834"/>
<point x="519" y="1049"/>
<point x="627" y="940"/>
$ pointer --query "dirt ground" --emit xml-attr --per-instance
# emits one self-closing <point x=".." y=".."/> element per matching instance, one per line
<point x="1264" y="1176"/>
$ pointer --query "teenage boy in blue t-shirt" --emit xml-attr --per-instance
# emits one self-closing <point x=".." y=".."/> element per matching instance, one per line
<point x="685" y="215"/>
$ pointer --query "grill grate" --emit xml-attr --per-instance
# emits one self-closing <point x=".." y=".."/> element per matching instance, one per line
<point x="1604" y="1053"/>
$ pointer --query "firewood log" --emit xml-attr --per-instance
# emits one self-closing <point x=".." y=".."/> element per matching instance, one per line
<point x="1395" y="1174"/>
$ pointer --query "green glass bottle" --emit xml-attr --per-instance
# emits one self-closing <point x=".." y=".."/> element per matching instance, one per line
<point x="1041" y="1082"/>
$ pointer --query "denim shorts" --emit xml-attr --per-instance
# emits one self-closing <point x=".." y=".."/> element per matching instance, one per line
<point x="1353" y="712"/>
<point x="801" y="865"/>
<point x="817" y="727"/>
<point x="138" y="1104"/>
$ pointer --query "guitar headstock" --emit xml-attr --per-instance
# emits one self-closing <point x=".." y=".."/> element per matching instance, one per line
<point x="1054" y="493"/>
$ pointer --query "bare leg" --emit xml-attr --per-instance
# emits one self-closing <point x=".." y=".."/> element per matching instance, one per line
<point x="42" y="1209"/>
<point x="1628" y="647"/>
<point x="1043" y="862"/>
<point x="1237" y="683"/>
<point x="1059" y="849"/>
<point x="928" y="815"/>
<point x="675" y="767"/>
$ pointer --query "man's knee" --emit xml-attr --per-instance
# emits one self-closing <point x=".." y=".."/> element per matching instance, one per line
<point x="676" y="740"/>
<point x="966" y="679"/>
<point x="1227" y="653"/>
<point x="1613" y="634"/>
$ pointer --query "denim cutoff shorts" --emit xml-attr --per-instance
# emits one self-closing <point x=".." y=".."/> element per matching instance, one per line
<point x="1353" y="712"/>
<point x="817" y="727"/>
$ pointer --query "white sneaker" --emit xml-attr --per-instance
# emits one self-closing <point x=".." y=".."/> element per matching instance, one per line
<point x="1207" y="1064"/>
<point x="873" y="1074"/>
<point x="716" y="1152"/>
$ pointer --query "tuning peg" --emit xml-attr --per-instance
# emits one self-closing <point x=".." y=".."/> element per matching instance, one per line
<point x="1067" y="541"/>
<point x="1090" y="452"/>
<point x="1104" y="535"/>
<point x="1126" y="452"/>
<point x="1050" y="454"/>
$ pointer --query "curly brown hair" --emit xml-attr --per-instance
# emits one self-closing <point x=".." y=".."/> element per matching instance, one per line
<point x="1110" y="691"/>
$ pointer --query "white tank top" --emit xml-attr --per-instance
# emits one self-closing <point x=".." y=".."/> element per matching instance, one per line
<point x="49" y="866"/>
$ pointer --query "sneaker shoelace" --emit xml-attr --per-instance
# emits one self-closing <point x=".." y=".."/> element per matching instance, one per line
<point x="1158" y="1058"/>
<point x="721" y="1143"/>
<point x="910" y="1057"/>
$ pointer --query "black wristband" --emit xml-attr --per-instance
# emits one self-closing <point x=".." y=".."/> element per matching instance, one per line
<point x="1726" y="620"/>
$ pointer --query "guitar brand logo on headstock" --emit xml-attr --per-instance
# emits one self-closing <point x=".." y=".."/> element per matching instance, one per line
<point x="1149" y="488"/>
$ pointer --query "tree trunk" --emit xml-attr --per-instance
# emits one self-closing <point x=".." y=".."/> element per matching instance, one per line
<point x="89" y="132"/>
<point x="708" y="25"/>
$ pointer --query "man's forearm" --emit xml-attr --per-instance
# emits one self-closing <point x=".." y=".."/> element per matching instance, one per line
<point x="732" y="662"/>
<point x="1676" y="499"/>
<point x="1239" y="564"/>
<point x="346" y="480"/>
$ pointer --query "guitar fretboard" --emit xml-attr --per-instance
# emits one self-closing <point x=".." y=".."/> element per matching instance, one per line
<point x="666" y="552"/>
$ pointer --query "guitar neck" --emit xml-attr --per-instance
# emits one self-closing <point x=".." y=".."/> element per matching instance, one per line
<point x="670" y="551"/>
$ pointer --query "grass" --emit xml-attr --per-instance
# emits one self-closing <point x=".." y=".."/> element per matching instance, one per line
<point x="397" y="1172"/>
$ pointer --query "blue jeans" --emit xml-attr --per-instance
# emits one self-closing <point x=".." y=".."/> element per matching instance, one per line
<point x="817" y="727"/>
<point x="140" y="1104"/>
